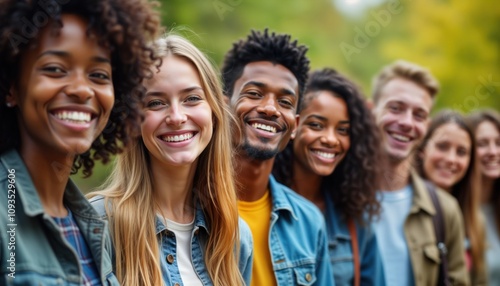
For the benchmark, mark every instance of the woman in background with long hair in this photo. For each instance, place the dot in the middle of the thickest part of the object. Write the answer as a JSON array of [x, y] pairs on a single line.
[[486, 127], [446, 157]]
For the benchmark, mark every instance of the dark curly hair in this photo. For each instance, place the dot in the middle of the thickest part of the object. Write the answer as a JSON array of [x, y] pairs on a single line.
[[125, 26], [262, 46], [355, 181]]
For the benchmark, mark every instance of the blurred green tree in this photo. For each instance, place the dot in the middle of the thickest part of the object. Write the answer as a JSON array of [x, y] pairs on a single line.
[[459, 41]]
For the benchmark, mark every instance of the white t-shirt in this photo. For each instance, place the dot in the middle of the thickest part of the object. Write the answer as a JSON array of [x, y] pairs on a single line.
[[391, 238], [183, 233]]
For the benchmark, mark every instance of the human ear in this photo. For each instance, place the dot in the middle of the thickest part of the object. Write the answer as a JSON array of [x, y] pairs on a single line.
[[11, 99]]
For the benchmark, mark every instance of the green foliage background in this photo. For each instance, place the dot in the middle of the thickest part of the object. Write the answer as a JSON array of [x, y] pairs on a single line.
[[458, 40]]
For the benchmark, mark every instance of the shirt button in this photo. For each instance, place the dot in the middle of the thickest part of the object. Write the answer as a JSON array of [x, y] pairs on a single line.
[[170, 259], [308, 277], [177, 284], [96, 230]]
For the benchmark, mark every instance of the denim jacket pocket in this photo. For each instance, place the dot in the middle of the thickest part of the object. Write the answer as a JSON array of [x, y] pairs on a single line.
[[305, 274], [432, 253]]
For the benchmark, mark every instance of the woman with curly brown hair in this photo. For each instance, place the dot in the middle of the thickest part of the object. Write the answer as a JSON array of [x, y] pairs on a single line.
[[70, 80], [332, 161]]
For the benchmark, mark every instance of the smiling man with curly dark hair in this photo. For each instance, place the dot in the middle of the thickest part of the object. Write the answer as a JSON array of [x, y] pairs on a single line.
[[264, 78]]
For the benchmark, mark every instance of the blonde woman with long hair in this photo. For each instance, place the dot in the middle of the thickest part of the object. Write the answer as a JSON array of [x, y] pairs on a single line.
[[171, 198]]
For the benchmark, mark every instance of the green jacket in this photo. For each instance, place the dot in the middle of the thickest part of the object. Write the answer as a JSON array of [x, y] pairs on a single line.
[[419, 232], [32, 249]]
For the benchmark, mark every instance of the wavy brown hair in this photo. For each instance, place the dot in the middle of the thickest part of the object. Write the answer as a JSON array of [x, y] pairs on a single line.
[[355, 181], [466, 190], [126, 27], [129, 192]]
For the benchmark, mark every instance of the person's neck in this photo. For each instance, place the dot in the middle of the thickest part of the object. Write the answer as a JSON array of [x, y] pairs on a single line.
[[308, 185], [252, 177], [172, 190], [486, 189], [50, 173], [395, 174]]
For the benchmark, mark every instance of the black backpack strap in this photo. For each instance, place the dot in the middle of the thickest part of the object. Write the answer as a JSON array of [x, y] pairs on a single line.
[[439, 229]]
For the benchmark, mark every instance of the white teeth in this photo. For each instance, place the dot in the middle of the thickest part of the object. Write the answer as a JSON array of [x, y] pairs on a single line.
[[325, 155], [400, 137], [264, 127], [178, 138], [74, 116], [491, 164]]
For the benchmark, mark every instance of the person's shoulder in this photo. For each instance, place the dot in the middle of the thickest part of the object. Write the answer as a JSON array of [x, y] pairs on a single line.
[[301, 207], [98, 203], [448, 203]]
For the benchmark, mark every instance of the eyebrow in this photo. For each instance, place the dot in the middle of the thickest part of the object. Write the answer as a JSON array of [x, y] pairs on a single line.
[[284, 91], [67, 55], [317, 117], [325, 119], [185, 90]]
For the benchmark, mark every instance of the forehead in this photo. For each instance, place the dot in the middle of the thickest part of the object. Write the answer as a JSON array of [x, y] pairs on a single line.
[[72, 37], [326, 102], [453, 132], [271, 74], [406, 92], [487, 128], [174, 69]]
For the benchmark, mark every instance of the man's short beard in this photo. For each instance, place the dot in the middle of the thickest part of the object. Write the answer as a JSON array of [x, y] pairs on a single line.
[[257, 153]]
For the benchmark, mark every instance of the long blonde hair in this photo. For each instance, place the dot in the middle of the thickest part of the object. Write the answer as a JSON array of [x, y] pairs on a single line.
[[129, 192]]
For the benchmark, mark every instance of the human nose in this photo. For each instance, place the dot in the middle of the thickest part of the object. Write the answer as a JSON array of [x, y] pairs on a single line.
[[176, 115], [79, 87], [268, 106], [329, 138], [406, 119], [451, 157]]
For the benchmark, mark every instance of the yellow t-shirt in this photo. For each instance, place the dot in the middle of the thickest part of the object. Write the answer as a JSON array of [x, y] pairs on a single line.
[[257, 215]]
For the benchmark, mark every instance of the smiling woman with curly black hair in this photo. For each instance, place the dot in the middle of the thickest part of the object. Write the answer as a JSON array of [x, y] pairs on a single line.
[[332, 161], [71, 77]]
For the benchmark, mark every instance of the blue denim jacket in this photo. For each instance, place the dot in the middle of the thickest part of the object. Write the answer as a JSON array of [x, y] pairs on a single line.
[[199, 238], [42, 254], [297, 240], [339, 244]]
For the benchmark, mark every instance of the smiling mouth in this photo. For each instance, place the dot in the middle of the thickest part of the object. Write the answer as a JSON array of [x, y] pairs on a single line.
[[77, 117], [400, 138], [177, 138], [447, 171], [491, 164], [264, 127], [325, 155]]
